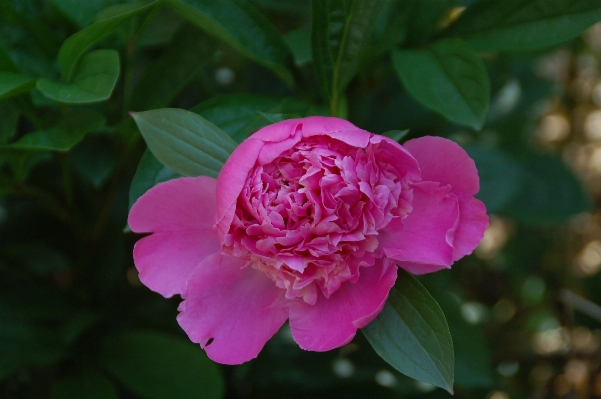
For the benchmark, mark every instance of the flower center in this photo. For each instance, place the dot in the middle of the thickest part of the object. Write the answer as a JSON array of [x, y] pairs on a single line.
[[310, 218]]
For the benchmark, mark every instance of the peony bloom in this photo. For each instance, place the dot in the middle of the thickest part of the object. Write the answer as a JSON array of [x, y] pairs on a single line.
[[306, 222]]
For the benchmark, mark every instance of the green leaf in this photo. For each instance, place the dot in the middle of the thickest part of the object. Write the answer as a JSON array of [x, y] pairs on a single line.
[[161, 28], [179, 64], [150, 172], [449, 78], [239, 24], [159, 366], [548, 194], [239, 115], [82, 12], [76, 45], [14, 83], [500, 176], [86, 383], [396, 135], [473, 366], [412, 335], [299, 41], [184, 141], [94, 80], [59, 138], [340, 29], [524, 24]]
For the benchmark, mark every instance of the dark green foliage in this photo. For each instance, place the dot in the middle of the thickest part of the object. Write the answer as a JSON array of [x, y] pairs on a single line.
[[411, 334]]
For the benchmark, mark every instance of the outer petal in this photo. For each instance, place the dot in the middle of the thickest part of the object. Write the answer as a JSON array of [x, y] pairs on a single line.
[[333, 322], [426, 234], [473, 221], [187, 203], [231, 310], [336, 128], [442, 160], [180, 213], [231, 180]]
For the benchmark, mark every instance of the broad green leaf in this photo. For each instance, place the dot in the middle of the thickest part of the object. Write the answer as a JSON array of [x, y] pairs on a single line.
[[8, 122], [76, 45], [159, 366], [340, 29], [239, 115], [161, 28], [58, 138], [82, 12], [184, 141], [95, 159], [549, 193], [500, 176], [412, 335], [179, 64], [94, 80], [299, 41], [396, 135], [239, 24], [473, 366], [447, 77], [85, 383], [14, 83], [389, 31], [150, 172], [524, 24]]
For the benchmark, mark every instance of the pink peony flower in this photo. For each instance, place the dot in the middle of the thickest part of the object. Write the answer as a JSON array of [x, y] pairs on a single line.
[[306, 222]]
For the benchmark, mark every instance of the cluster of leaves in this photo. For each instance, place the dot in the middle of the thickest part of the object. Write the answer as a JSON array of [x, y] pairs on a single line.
[[74, 323]]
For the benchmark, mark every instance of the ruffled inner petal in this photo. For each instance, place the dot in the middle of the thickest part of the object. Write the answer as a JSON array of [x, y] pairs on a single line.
[[310, 218]]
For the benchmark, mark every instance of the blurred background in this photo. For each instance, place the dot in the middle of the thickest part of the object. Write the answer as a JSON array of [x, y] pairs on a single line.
[[75, 322]]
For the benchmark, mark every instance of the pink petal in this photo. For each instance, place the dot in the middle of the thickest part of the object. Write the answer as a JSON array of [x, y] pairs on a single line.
[[333, 322], [421, 268], [336, 128], [398, 156], [231, 309], [231, 180], [165, 260], [473, 220], [426, 234], [279, 131], [267, 144], [441, 160], [180, 213], [187, 203]]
